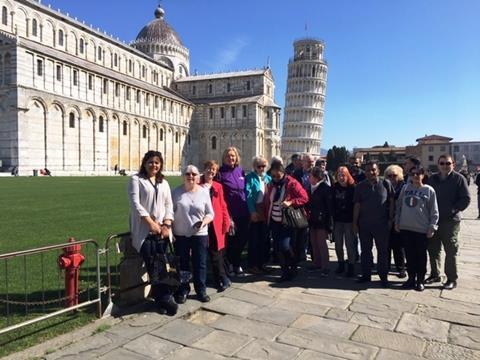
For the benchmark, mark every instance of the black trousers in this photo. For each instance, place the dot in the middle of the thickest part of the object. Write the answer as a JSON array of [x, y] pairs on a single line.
[[300, 241], [236, 243], [258, 245], [395, 246], [216, 257], [416, 250], [379, 233], [150, 248]]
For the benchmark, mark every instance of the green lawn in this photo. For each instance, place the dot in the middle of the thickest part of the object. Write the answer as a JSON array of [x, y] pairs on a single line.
[[40, 211]]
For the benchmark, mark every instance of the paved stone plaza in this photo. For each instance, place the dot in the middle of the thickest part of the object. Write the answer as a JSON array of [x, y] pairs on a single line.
[[314, 318]]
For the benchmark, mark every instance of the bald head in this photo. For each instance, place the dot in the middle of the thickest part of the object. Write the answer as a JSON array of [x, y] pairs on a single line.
[[308, 162]]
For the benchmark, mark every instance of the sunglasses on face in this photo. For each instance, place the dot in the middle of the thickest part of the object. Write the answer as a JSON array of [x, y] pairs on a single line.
[[190, 174], [261, 166], [415, 174], [443, 163], [392, 175]]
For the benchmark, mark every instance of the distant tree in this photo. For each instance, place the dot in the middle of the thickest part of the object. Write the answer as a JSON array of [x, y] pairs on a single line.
[[385, 145], [392, 157], [337, 156], [381, 157]]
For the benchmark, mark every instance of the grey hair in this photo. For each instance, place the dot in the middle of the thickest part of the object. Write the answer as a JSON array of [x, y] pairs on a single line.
[[192, 169], [256, 159]]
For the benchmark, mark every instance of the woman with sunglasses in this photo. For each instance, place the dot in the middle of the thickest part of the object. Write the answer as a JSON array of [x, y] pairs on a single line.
[[258, 241], [192, 213], [416, 219], [151, 216], [394, 173], [219, 227]]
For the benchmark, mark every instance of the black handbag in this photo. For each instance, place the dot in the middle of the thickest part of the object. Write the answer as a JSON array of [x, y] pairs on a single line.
[[166, 266], [295, 218]]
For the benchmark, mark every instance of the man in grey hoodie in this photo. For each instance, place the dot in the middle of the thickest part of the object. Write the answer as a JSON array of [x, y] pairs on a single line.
[[453, 197]]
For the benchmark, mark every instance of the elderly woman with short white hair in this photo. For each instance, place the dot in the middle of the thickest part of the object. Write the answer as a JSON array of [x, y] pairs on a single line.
[[193, 211]]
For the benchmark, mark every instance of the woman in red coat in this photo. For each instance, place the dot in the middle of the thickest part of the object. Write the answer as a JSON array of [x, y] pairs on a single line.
[[220, 225], [282, 192]]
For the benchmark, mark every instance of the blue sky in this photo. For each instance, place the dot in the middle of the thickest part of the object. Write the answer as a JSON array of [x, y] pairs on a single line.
[[397, 69]]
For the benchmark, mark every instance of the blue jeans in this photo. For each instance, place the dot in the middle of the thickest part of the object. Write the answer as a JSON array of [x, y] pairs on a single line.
[[196, 248], [150, 248], [282, 237]]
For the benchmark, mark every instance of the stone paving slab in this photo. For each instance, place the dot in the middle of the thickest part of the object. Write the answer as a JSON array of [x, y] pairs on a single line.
[[93, 346], [252, 328], [324, 326], [250, 297], [316, 299], [182, 332], [314, 355], [442, 351], [150, 346], [389, 340], [222, 342], [423, 327], [328, 345], [190, 354], [226, 305], [387, 354], [374, 321], [465, 336], [123, 354], [301, 307], [267, 350], [450, 316], [275, 316], [339, 314]]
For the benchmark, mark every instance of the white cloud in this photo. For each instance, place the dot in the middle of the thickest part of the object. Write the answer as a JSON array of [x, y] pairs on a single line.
[[227, 56]]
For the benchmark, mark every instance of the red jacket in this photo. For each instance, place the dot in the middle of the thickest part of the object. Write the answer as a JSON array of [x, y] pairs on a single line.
[[294, 192], [221, 220]]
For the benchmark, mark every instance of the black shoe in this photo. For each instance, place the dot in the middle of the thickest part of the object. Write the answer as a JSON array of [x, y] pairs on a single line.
[[224, 284], [409, 284], [350, 270], [450, 285], [419, 286], [402, 274], [364, 279], [170, 306], [203, 297], [433, 279], [341, 267], [180, 298]]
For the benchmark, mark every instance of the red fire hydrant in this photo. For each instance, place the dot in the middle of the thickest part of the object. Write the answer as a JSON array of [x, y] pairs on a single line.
[[70, 261]]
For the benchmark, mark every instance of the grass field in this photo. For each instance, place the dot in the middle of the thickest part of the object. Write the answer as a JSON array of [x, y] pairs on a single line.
[[40, 211]]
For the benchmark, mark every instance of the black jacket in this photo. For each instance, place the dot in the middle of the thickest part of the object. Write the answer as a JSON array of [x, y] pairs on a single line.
[[452, 195], [320, 207]]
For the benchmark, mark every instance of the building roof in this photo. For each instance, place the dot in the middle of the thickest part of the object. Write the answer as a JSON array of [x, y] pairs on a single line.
[[103, 71], [259, 99], [434, 137], [224, 75], [159, 31]]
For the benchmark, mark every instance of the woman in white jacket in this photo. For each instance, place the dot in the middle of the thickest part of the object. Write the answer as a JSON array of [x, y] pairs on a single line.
[[151, 216], [416, 219]]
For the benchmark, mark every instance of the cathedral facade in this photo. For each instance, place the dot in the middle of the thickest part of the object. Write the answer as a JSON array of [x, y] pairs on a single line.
[[78, 101]]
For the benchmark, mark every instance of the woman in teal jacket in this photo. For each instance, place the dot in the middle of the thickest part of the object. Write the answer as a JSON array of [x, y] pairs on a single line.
[[259, 242]]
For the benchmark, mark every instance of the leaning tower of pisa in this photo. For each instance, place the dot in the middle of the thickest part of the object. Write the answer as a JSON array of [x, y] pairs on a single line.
[[304, 99]]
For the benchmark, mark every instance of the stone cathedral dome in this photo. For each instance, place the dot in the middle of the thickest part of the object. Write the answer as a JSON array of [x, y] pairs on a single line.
[[159, 31]]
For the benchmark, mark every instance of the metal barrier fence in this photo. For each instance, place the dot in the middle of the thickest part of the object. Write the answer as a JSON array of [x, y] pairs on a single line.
[[12, 273]]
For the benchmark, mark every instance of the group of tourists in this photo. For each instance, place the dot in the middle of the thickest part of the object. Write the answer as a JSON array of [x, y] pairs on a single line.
[[220, 211]]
